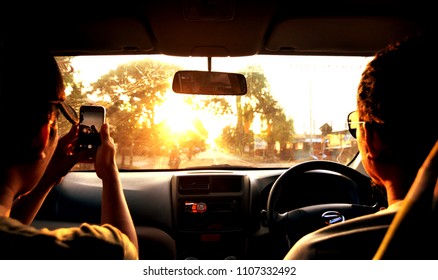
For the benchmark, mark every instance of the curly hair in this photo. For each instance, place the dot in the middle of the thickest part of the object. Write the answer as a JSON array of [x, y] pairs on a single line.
[[397, 95]]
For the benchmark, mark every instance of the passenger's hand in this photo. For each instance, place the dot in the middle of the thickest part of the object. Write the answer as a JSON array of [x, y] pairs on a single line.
[[105, 161], [64, 158]]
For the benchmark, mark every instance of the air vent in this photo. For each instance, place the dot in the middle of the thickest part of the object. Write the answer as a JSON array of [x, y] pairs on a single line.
[[194, 184], [226, 184], [209, 184]]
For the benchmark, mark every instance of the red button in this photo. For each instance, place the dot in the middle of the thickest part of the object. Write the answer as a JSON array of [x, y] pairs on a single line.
[[201, 207]]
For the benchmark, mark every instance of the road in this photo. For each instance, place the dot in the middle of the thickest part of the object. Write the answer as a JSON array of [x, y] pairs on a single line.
[[206, 158]]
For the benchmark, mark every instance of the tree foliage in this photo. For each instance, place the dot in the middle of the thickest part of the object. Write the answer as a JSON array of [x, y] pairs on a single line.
[[130, 93], [133, 91], [258, 103]]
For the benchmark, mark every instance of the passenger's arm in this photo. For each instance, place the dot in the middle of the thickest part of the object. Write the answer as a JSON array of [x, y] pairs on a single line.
[[115, 209], [27, 206]]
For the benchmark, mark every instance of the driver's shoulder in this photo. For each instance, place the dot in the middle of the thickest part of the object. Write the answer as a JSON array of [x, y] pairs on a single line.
[[357, 238]]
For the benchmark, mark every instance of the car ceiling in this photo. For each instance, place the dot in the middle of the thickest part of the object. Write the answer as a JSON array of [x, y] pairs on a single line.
[[224, 27]]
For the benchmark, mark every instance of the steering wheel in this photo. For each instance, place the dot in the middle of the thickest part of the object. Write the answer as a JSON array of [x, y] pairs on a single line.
[[294, 224]]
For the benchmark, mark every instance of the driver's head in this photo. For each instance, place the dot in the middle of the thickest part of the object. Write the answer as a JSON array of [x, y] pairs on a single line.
[[397, 101]]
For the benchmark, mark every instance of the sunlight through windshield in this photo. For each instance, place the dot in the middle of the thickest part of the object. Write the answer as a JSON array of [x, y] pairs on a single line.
[[295, 110]]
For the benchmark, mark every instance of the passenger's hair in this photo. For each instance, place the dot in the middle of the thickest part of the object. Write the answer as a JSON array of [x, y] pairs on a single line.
[[397, 95], [29, 79]]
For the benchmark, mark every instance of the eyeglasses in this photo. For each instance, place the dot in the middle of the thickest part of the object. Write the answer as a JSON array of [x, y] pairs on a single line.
[[67, 111], [353, 123]]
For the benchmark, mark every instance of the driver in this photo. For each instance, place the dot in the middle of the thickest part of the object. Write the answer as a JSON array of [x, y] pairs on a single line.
[[395, 125]]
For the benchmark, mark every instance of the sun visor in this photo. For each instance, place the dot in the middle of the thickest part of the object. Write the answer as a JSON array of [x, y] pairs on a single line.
[[105, 36], [326, 35]]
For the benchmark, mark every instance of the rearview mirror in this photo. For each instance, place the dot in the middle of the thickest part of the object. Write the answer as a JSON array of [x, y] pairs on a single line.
[[208, 82]]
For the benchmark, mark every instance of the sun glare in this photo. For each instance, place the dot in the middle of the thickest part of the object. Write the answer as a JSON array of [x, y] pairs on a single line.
[[176, 113]]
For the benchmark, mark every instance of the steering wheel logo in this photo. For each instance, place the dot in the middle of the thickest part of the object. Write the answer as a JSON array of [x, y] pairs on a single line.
[[332, 217]]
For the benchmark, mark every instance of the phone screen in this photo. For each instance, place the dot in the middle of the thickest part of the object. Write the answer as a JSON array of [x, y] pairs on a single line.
[[91, 120]]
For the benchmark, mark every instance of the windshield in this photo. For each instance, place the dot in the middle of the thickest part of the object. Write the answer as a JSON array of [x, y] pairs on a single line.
[[295, 110]]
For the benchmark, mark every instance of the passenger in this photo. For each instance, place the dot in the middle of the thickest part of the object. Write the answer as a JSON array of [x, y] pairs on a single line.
[[396, 105], [34, 160]]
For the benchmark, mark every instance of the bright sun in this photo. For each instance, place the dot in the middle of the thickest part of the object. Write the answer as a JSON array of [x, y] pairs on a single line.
[[178, 116]]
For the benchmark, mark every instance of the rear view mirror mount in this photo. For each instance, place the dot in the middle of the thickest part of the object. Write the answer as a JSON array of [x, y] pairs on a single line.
[[209, 83]]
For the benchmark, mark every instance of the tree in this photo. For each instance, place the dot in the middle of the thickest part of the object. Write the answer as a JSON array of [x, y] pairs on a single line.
[[259, 102], [130, 93], [73, 89]]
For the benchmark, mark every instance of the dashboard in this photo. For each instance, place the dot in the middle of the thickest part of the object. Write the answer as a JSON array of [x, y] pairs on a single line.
[[205, 214]]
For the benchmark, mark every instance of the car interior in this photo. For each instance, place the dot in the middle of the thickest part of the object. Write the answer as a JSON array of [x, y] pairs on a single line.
[[281, 188]]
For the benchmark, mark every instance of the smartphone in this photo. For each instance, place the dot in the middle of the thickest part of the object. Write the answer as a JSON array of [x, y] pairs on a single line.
[[91, 119]]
